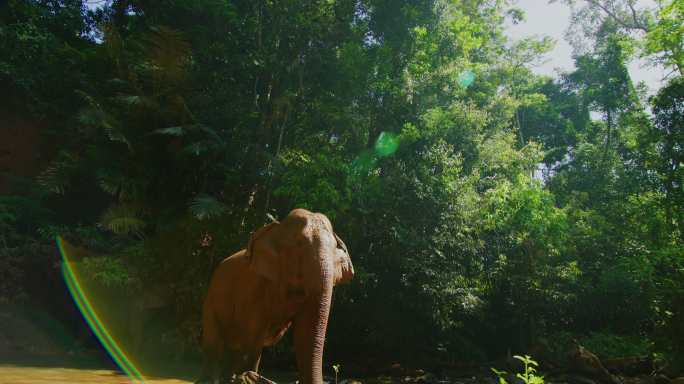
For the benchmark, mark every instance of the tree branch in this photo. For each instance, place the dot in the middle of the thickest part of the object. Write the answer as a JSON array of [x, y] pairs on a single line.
[[611, 14], [635, 18]]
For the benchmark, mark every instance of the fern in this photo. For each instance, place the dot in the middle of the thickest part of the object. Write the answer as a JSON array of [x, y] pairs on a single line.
[[108, 270], [205, 207]]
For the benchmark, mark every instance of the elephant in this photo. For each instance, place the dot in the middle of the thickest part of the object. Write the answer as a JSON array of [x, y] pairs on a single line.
[[284, 278]]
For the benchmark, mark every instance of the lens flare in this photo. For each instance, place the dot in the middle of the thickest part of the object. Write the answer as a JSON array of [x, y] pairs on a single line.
[[386, 144], [466, 78], [364, 162], [98, 327]]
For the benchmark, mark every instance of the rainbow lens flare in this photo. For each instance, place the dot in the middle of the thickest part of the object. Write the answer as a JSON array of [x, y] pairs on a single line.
[[91, 317]]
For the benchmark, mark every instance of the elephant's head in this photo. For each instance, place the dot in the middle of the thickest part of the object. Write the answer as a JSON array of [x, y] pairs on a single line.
[[303, 254]]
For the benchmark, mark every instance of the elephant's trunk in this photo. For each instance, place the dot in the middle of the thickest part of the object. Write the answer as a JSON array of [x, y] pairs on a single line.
[[311, 323]]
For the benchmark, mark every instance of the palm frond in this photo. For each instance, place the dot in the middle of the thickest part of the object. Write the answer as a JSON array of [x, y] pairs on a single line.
[[93, 115], [56, 177], [136, 101], [90, 116], [212, 141], [112, 182], [169, 52], [118, 83], [170, 131], [123, 219], [197, 148], [113, 42], [212, 133], [205, 207]]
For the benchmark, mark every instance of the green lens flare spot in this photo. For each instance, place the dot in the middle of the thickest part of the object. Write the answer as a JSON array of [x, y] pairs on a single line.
[[466, 78], [364, 162], [386, 144]]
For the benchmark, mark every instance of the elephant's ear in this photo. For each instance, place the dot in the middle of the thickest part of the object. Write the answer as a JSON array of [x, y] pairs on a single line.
[[344, 269], [340, 243], [262, 253]]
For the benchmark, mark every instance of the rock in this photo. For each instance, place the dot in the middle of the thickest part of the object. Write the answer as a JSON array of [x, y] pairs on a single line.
[[630, 366], [427, 378], [251, 377], [511, 378], [585, 362], [488, 380], [643, 379], [383, 379], [350, 381], [395, 369], [671, 370], [576, 379], [352, 369]]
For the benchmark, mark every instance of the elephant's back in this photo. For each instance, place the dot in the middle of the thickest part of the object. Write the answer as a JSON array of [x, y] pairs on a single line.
[[222, 297], [226, 274]]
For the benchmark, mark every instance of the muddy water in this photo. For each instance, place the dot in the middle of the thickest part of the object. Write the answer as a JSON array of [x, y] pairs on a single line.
[[26, 374], [12, 374]]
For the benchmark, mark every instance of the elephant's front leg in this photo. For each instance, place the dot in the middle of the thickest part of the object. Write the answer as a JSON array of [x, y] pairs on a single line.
[[230, 365], [213, 359]]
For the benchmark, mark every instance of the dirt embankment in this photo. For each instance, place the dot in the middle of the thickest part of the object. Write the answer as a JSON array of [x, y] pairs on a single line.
[[22, 153]]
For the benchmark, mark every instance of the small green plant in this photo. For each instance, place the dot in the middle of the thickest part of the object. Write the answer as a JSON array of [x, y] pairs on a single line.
[[529, 374], [336, 368]]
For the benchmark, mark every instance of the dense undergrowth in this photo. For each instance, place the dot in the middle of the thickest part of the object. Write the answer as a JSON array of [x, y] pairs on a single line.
[[486, 211]]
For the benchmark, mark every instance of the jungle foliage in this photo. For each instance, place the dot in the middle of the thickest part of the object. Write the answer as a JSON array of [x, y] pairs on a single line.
[[487, 209]]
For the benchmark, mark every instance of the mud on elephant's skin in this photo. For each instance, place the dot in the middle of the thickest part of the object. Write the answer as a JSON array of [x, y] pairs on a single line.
[[284, 278]]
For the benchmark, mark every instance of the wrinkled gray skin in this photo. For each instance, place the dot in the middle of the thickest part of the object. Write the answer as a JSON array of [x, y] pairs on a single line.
[[284, 278]]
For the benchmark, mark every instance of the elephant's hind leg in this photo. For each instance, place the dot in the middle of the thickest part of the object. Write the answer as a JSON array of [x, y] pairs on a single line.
[[213, 347]]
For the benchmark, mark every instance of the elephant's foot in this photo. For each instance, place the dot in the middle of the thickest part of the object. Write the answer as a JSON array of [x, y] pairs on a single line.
[[251, 377]]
